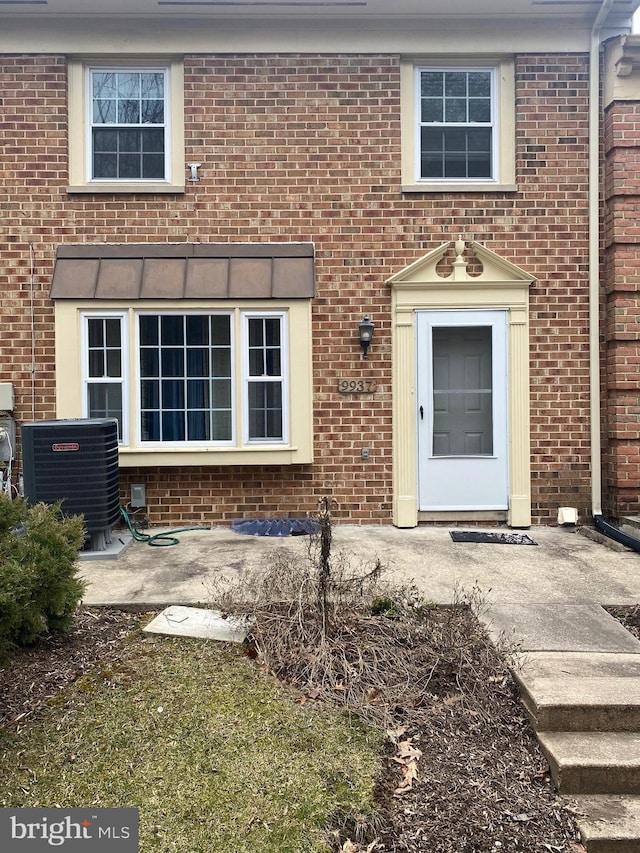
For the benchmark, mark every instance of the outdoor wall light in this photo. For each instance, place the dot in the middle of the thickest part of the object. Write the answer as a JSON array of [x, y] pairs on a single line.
[[365, 327]]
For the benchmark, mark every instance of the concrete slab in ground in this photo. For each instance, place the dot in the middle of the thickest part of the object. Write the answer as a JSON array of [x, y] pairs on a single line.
[[560, 628], [180, 621]]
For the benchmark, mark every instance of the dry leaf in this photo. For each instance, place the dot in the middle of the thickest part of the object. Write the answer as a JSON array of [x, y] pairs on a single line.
[[407, 750], [349, 847], [409, 774], [394, 735]]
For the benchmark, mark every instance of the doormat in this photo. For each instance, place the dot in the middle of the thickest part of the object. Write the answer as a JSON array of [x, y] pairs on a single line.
[[275, 526], [496, 538]]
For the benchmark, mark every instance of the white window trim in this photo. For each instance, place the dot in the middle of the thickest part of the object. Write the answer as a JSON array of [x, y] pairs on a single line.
[[134, 367], [419, 124], [283, 379], [123, 439], [503, 107], [80, 167], [90, 69]]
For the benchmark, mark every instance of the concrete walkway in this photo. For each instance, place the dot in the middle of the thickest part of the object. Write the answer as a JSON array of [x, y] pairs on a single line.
[[580, 671]]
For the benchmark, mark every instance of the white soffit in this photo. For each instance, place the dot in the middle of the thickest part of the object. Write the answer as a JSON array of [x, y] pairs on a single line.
[[576, 9]]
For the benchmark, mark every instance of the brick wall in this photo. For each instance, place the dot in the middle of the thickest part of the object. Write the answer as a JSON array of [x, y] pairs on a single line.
[[622, 308], [307, 148]]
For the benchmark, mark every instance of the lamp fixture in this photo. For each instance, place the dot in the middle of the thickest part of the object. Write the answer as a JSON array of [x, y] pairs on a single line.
[[366, 329]]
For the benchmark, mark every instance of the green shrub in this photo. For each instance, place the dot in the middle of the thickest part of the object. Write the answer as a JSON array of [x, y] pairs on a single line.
[[39, 584]]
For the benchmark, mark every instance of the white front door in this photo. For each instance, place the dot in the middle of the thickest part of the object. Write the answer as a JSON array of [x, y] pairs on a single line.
[[462, 410]]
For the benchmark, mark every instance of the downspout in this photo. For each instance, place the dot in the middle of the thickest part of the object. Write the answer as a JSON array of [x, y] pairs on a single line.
[[594, 257], [594, 284]]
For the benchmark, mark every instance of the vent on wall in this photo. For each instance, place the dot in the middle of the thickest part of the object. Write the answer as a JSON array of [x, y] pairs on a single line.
[[76, 462]]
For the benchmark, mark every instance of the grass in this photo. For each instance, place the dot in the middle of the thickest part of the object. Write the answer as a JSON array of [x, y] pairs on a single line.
[[216, 756]]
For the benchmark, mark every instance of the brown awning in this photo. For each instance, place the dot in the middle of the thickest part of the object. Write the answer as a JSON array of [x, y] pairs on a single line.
[[184, 271]]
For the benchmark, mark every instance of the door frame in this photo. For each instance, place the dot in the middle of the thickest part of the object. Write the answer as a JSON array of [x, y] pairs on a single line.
[[421, 286]]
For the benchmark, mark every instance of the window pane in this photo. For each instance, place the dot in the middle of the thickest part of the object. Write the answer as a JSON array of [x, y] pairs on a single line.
[[149, 362], [265, 410], [198, 394], [148, 330], [221, 393], [152, 84], [480, 84], [221, 362], [150, 426], [197, 362], [220, 330], [112, 332], [198, 426], [152, 112], [172, 394], [152, 141], [128, 112], [173, 426], [432, 83], [105, 141], [455, 110], [273, 362], [432, 110], [480, 110], [95, 330], [105, 401], [104, 112], [153, 166], [172, 330], [256, 329], [114, 365], [103, 84], [197, 329], [129, 84], [172, 362], [129, 141], [150, 394], [129, 166], [96, 363], [256, 362], [455, 84], [221, 426], [272, 332]]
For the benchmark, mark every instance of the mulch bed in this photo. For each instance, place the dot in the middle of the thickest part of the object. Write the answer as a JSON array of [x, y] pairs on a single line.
[[462, 772]]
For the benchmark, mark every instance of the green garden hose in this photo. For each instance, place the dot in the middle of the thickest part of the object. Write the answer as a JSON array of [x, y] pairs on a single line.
[[164, 539]]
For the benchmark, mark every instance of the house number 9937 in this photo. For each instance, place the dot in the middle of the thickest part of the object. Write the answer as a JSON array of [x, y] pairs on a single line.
[[356, 386]]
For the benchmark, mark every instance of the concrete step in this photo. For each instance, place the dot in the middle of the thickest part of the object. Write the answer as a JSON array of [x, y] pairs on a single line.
[[609, 823], [593, 762], [581, 692]]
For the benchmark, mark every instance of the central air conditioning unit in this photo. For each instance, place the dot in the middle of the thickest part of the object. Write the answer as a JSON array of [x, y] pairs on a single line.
[[76, 462]]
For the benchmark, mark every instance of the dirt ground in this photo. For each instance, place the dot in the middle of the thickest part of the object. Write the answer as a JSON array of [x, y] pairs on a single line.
[[462, 769]]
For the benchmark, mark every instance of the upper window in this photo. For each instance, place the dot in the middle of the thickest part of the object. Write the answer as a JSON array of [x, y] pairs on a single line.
[[126, 127], [458, 127], [456, 124]]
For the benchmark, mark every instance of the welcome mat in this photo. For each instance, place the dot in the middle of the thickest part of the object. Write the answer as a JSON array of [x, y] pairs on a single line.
[[495, 538]]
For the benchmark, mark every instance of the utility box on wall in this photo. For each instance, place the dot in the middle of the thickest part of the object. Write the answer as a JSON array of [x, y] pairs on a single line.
[[7, 439], [75, 461], [7, 400]]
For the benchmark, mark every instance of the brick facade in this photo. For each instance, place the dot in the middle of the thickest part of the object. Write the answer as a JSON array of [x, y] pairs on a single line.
[[307, 148], [621, 322]]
